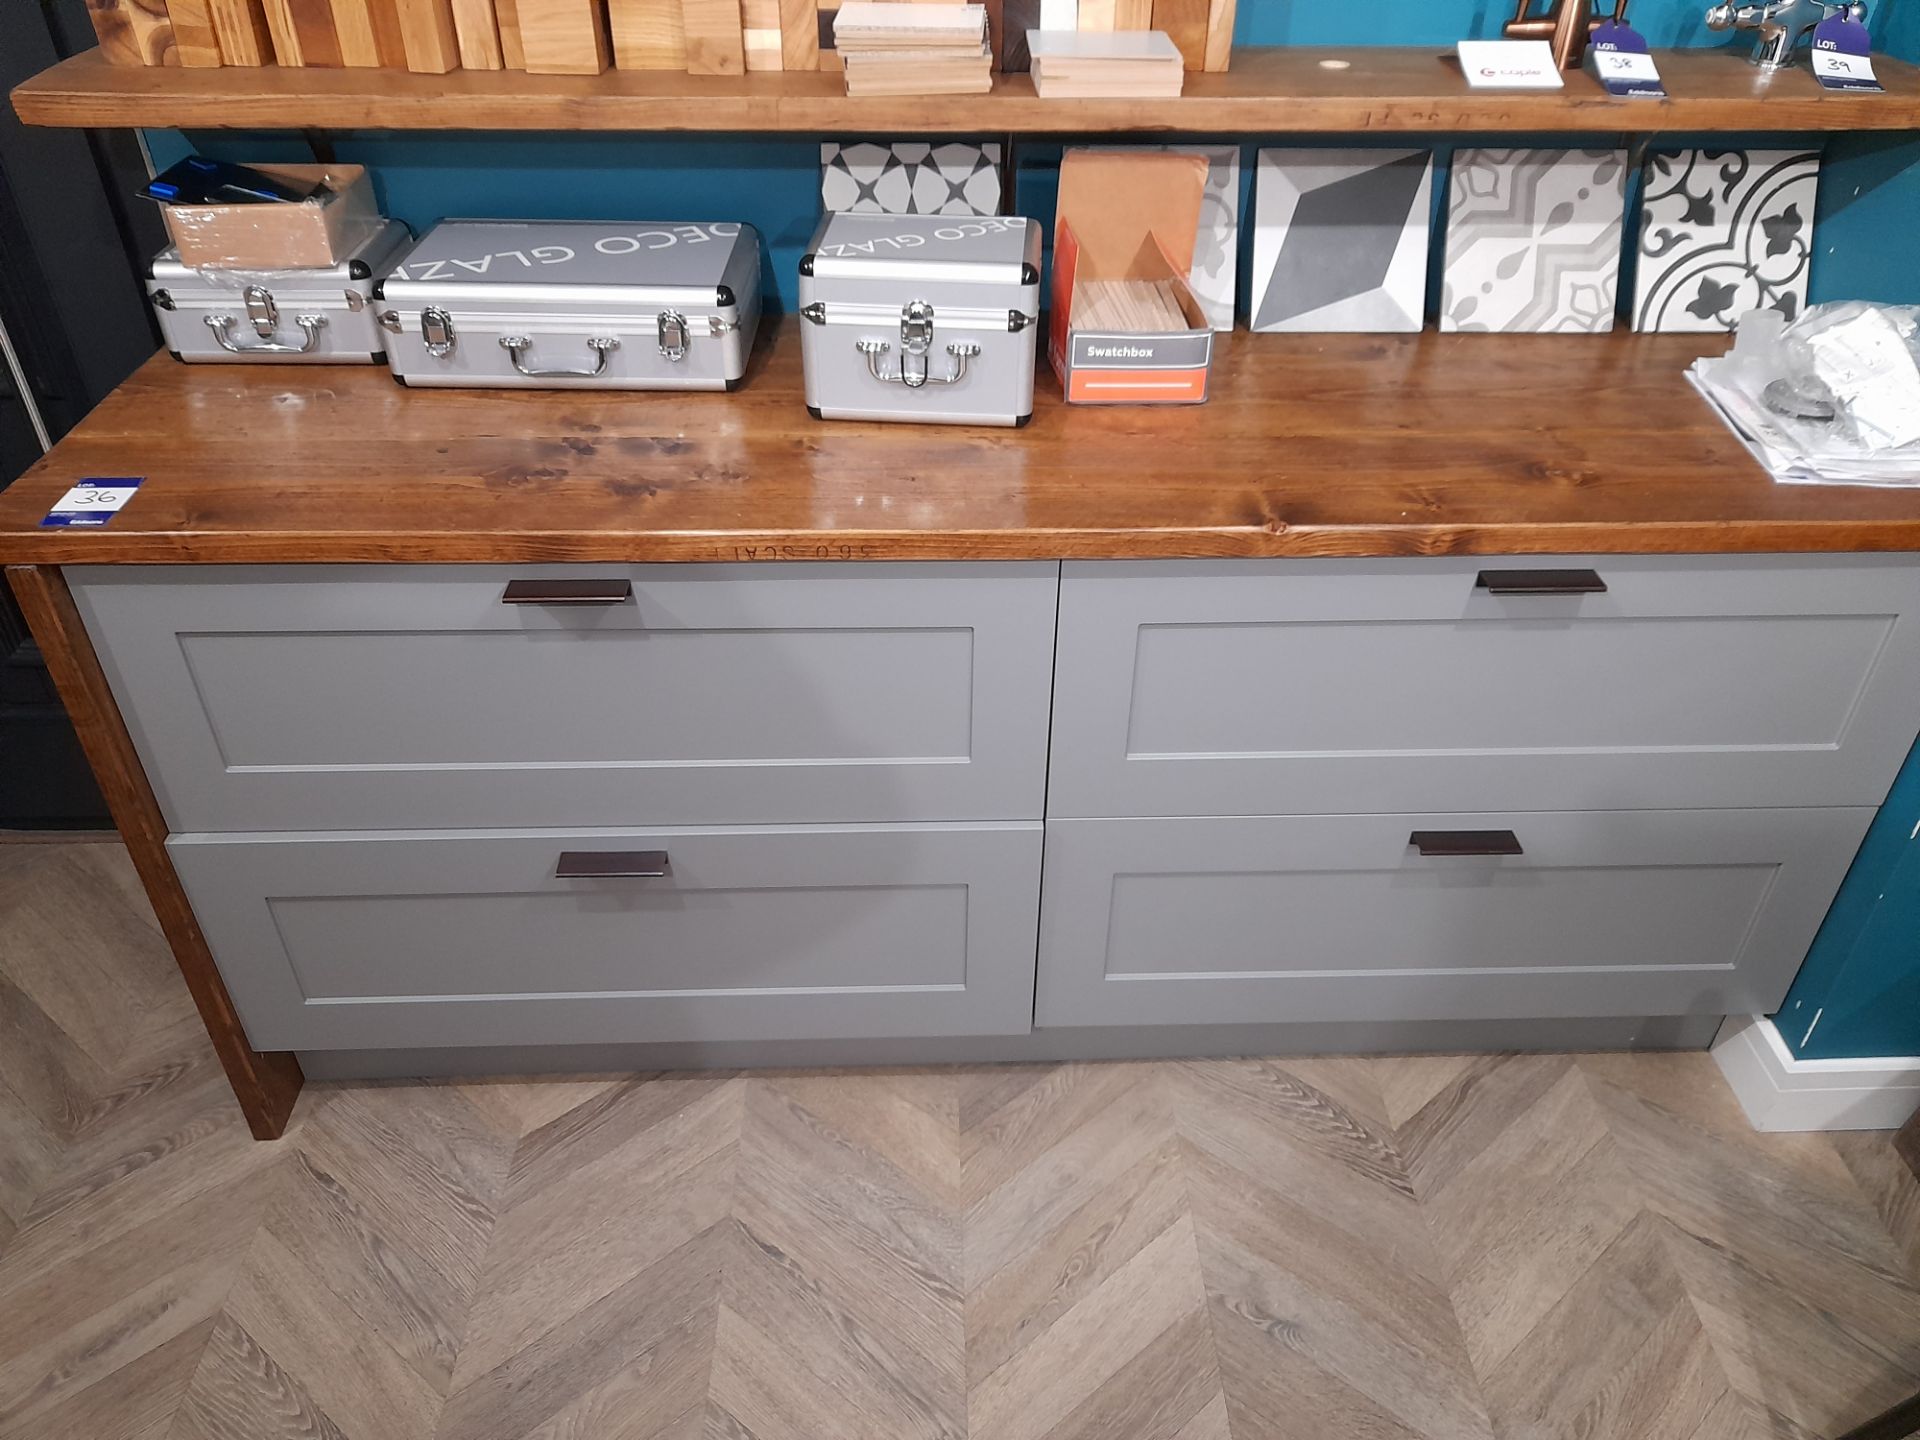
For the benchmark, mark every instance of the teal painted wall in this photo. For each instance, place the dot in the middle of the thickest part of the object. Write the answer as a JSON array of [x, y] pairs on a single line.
[[1859, 992], [1870, 195], [1864, 971]]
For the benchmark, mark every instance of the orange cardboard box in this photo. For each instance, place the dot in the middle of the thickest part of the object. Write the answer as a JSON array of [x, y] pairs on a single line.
[[1129, 216], [313, 234]]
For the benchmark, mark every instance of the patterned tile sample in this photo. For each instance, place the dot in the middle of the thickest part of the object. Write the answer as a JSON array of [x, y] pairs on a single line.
[[1481, 1247], [1216, 251], [911, 177], [1723, 232], [1340, 239], [1533, 240]]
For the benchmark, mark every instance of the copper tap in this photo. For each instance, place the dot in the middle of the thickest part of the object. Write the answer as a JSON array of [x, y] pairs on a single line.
[[1566, 25]]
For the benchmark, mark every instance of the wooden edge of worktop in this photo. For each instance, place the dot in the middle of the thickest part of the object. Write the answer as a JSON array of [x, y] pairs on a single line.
[[330, 547], [266, 1085]]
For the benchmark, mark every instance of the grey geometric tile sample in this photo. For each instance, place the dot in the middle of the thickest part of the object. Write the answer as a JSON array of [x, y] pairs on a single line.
[[911, 177], [1340, 239], [1533, 240], [1723, 232], [1215, 273]]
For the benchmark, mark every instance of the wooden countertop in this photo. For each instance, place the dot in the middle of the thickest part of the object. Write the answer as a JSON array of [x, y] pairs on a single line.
[[1311, 445], [1268, 90]]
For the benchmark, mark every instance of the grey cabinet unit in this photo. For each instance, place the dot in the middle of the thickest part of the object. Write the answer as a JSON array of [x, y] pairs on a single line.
[[761, 933], [1354, 686], [1342, 917], [414, 697]]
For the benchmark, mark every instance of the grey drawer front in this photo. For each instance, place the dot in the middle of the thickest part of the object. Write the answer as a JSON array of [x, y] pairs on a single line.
[[366, 942], [320, 697], [1300, 687], [1340, 918]]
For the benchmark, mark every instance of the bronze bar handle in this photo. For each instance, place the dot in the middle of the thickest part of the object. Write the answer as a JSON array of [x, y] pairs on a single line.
[[1541, 582], [611, 865], [567, 592], [1465, 842]]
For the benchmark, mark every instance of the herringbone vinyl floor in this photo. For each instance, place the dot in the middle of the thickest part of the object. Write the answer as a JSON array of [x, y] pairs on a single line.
[[1526, 1247]]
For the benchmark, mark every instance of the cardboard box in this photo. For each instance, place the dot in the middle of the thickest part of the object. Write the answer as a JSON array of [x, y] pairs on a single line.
[[1129, 216], [313, 234]]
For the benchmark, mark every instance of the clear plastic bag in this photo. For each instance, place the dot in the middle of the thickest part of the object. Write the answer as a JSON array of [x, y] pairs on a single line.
[[1833, 395]]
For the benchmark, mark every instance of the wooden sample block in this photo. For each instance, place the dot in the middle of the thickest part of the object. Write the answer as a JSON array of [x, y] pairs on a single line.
[[1220, 16], [506, 15], [427, 33], [1133, 14], [715, 45], [564, 37], [194, 40], [647, 35], [1185, 22], [241, 26], [369, 34], [477, 35], [760, 34], [133, 32], [799, 35], [825, 13], [1096, 14], [996, 30], [1017, 18], [303, 32]]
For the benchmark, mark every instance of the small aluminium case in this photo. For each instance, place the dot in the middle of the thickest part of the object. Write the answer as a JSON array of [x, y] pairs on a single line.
[[576, 305], [320, 316], [921, 317]]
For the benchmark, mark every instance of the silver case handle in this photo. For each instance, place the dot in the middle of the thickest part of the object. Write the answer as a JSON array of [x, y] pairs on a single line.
[[310, 327], [517, 346]]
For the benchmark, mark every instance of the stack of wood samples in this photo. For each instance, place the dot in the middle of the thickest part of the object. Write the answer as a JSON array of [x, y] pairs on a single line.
[[1125, 65], [1130, 307], [913, 49], [1202, 30], [584, 37]]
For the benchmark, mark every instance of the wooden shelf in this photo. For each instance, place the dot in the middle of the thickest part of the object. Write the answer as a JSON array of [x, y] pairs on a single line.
[[1311, 445], [1391, 90]]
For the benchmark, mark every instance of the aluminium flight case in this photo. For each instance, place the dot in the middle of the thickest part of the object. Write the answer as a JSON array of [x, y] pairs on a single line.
[[322, 316], [578, 305], [921, 317]]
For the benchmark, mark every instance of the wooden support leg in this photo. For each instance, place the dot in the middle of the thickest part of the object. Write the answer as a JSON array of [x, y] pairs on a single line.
[[265, 1085]]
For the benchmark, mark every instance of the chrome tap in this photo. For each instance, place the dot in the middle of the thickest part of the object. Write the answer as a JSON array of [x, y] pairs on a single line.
[[1783, 25]]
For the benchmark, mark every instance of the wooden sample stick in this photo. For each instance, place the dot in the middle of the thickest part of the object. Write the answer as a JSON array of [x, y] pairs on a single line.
[[477, 35], [1220, 17], [1017, 18], [564, 37], [1185, 22], [241, 26], [427, 34], [506, 14], [194, 40], [1133, 14], [647, 35], [760, 34], [303, 32], [799, 35], [133, 32], [369, 34], [713, 33]]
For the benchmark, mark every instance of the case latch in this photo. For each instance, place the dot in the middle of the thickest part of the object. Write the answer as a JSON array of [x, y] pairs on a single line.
[[262, 313], [916, 343], [436, 328], [673, 335]]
